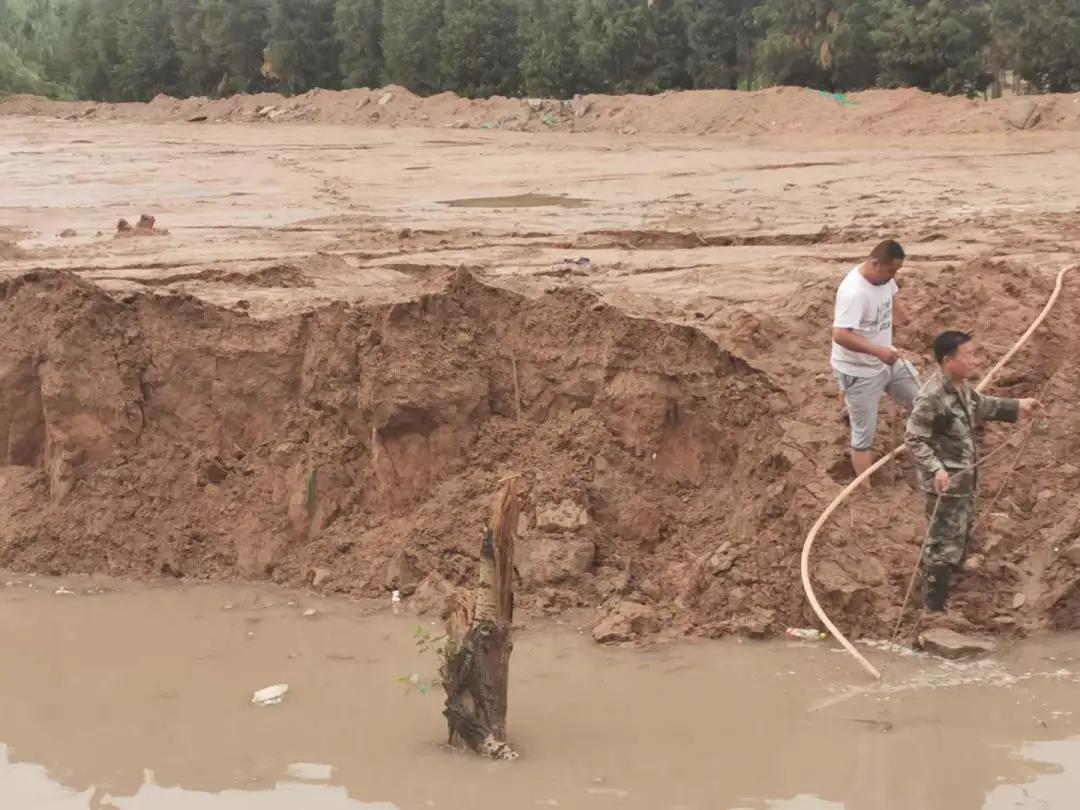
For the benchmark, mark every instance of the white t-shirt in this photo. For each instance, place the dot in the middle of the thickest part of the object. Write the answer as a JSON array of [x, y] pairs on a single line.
[[866, 309]]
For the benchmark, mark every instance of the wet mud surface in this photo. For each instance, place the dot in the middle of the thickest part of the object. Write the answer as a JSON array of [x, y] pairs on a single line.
[[121, 696]]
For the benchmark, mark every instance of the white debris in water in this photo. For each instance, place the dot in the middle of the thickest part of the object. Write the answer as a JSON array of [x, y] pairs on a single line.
[[310, 771], [885, 647], [62, 591], [270, 695], [309, 612]]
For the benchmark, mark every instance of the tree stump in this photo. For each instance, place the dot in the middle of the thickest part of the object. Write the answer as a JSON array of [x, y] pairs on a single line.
[[476, 669]]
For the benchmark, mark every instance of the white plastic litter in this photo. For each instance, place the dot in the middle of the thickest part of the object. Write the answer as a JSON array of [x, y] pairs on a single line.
[[310, 771], [271, 695]]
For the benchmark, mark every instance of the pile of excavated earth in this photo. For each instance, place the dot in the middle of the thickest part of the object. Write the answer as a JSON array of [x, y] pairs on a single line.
[[791, 110], [672, 469], [356, 448]]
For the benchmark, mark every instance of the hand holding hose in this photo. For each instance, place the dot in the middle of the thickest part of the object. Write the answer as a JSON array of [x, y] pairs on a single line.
[[887, 355], [941, 482], [1029, 406]]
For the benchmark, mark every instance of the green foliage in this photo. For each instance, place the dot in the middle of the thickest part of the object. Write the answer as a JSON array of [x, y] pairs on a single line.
[[358, 30], [479, 47], [95, 49], [197, 72], [134, 49], [720, 37], [670, 65], [938, 45], [550, 66], [302, 46], [234, 33], [795, 32], [32, 56], [426, 642], [148, 63], [1040, 41], [617, 46], [411, 44]]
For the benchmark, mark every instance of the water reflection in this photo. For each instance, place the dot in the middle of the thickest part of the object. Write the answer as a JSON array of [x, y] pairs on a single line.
[[718, 726], [1058, 786], [27, 786]]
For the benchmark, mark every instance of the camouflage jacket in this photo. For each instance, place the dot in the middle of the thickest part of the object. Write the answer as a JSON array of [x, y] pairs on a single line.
[[941, 430]]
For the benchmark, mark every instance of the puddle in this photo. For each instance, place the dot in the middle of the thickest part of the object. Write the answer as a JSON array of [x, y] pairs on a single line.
[[117, 697], [518, 201]]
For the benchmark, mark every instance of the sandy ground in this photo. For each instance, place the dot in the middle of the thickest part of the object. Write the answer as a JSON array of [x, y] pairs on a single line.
[[740, 238], [371, 209]]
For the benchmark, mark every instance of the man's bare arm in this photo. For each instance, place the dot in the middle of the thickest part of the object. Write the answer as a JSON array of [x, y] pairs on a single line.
[[857, 343]]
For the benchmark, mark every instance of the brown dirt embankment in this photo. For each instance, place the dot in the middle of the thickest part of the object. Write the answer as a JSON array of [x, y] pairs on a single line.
[[778, 111], [356, 448]]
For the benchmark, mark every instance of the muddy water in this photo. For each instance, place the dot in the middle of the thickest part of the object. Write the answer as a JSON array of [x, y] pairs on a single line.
[[123, 697]]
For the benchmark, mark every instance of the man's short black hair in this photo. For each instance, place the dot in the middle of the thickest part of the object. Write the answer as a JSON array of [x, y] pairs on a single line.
[[946, 344], [888, 251]]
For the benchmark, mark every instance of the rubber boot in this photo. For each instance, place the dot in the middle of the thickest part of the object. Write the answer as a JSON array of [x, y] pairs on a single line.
[[937, 587]]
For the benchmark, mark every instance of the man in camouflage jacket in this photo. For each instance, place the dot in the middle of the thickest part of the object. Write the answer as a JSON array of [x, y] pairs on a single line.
[[941, 440]]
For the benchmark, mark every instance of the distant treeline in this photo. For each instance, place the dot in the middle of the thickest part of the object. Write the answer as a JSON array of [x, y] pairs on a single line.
[[131, 50]]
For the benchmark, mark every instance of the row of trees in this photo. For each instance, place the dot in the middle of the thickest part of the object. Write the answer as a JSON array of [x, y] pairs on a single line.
[[134, 49]]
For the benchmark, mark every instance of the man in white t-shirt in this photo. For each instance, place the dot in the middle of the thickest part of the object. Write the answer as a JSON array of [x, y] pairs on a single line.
[[865, 362]]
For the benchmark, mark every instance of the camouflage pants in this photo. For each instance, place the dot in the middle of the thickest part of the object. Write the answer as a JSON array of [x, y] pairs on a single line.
[[950, 528]]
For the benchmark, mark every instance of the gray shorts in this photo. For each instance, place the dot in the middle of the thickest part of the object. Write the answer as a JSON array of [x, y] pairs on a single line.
[[863, 394]]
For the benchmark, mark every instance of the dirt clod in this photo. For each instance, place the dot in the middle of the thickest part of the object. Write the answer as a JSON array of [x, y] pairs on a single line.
[[625, 622]]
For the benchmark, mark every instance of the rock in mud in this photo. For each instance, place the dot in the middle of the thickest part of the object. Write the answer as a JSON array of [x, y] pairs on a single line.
[[954, 646], [563, 516], [386, 99], [640, 521], [1023, 114], [319, 577], [551, 559], [628, 620], [434, 595]]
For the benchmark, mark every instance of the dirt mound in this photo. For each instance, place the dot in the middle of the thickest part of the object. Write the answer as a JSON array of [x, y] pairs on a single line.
[[356, 448], [779, 110], [159, 435]]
